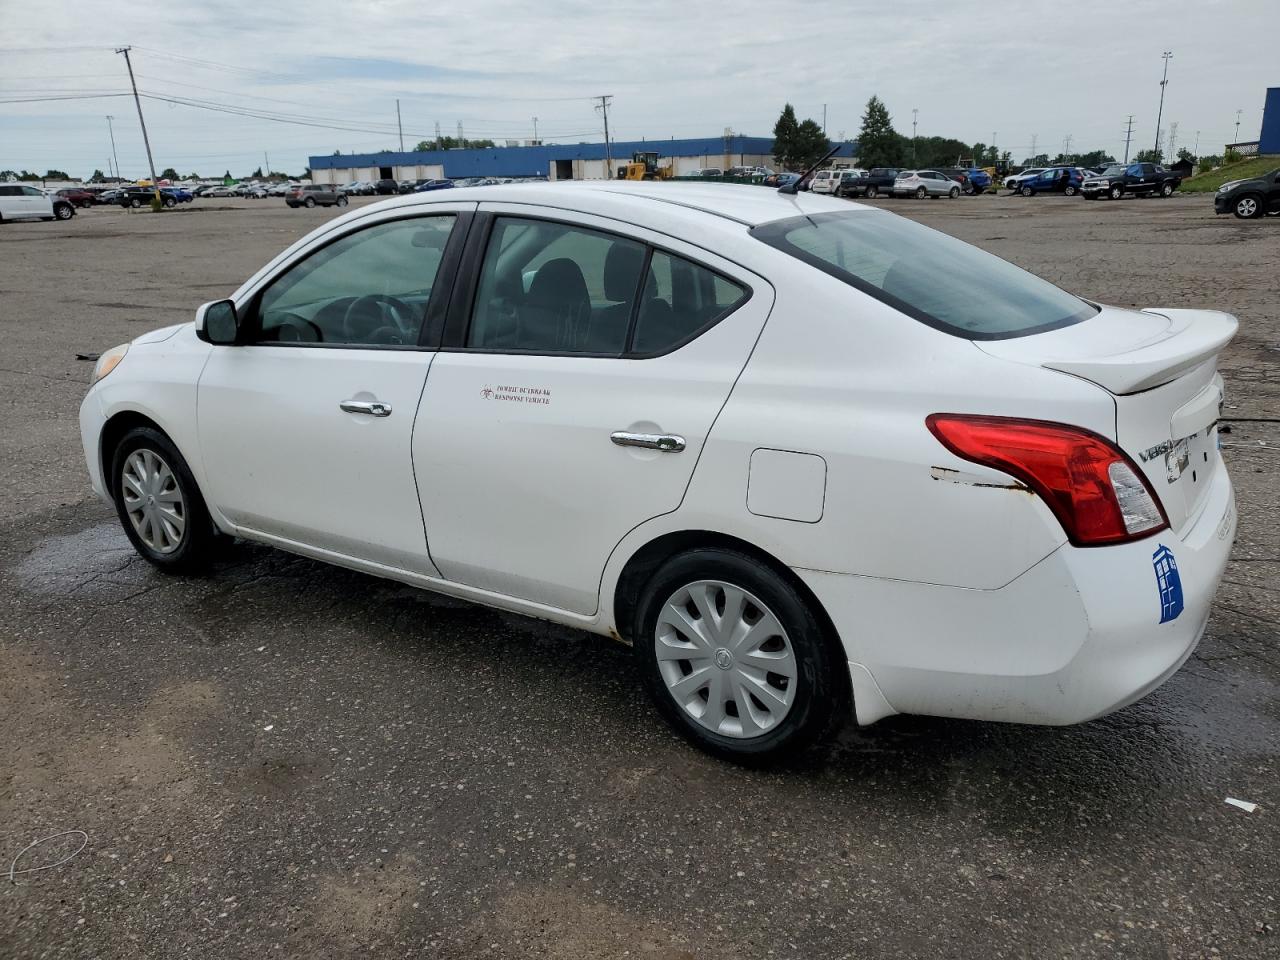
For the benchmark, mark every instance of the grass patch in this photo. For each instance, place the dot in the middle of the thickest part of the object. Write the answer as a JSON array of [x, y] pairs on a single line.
[[1244, 170]]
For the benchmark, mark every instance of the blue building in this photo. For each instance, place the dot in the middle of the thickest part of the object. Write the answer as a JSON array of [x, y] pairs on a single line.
[[564, 161], [1269, 142]]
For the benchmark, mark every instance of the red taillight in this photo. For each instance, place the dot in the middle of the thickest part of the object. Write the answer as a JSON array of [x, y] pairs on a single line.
[[1097, 493]]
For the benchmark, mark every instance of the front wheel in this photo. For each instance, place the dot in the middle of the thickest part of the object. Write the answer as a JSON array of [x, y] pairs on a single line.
[[309, 202], [1247, 208], [1116, 192], [871, 193], [342, 201], [1026, 191], [955, 192], [135, 203], [1070, 190], [159, 504], [736, 659], [170, 202], [64, 212]]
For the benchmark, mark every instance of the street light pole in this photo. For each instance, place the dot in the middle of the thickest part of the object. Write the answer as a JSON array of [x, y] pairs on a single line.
[[915, 116], [1167, 55], [112, 134]]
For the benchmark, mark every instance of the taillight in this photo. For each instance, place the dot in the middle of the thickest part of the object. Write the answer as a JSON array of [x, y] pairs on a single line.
[[1097, 493]]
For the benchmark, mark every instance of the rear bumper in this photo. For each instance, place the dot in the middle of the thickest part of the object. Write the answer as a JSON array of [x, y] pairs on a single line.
[[1076, 637]]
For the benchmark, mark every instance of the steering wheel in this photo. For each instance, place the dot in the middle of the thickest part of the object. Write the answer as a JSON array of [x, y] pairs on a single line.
[[292, 328], [365, 320]]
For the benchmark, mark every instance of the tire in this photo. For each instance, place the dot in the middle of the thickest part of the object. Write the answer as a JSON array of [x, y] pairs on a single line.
[[157, 470], [1166, 190], [1070, 190], [64, 211], [342, 201], [969, 190], [871, 193], [921, 193], [169, 202], [1247, 207], [1116, 192], [309, 202], [135, 202], [1026, 191], [955, 192], [807, 695]]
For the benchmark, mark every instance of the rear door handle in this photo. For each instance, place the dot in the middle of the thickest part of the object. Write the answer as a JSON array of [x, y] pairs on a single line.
[[667, 443], [371, 408]]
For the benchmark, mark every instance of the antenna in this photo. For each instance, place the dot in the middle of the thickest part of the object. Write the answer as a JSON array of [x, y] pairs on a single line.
[[792, 188]]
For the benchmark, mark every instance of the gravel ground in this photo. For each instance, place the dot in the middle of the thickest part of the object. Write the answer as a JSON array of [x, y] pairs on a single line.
[[287, 759]]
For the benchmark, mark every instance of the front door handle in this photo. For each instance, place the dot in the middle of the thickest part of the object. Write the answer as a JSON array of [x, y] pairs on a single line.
[[667, 443], [371, 408]]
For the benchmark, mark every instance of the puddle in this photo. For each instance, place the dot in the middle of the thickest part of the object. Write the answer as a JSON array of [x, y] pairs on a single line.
[[96, 561]]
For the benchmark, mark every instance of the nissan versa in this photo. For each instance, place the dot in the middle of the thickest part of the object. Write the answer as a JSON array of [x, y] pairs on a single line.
[[810, 459]]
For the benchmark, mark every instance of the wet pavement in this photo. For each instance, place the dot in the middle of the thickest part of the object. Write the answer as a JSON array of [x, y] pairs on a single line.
[[287, 759]]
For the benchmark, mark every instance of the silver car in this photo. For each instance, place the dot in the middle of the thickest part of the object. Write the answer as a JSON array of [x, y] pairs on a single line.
[[924, 183]]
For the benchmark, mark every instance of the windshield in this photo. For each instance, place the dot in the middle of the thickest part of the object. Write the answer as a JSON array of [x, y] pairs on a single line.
[[931, 277], [1115, 170]]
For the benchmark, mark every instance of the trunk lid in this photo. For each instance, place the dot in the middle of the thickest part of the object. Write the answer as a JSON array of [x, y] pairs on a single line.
[[1160, 366]]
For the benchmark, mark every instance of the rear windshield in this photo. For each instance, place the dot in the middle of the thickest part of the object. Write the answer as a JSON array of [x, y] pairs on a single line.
[[936, 279]]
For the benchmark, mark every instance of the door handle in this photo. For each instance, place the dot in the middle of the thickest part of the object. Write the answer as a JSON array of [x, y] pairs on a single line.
[[372, 408], [667, 443]]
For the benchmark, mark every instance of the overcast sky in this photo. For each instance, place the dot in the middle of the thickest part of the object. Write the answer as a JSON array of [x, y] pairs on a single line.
[[1030, 68]]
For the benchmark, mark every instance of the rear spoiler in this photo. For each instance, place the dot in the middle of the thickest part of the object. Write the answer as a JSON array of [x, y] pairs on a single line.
[[1193, 336]]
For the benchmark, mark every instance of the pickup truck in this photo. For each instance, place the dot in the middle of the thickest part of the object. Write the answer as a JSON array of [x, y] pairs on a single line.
[[1140, 179], [876, 181]]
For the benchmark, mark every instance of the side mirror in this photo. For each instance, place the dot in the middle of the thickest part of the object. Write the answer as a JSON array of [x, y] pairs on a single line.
[[217, 322]]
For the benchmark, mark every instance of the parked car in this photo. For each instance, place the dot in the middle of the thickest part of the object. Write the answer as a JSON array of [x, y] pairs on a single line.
[[876, 181], [1063, 180], [824, 181], [427, 186], [221, 190], [179, 194], [316, 194], [136, 197], [1014, 180], [787, 516], [282, 188], [1140, 179], [1250, 198], [386, 186], [78, 196], [111, 196], [257, 192], [924, 183], [976, 181], [20, 201]]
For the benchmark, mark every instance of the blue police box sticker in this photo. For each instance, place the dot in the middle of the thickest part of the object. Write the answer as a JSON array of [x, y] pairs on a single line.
[[1169, 582]]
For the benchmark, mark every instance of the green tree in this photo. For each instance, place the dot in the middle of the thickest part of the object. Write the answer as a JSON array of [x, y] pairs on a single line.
[[811, 144], [98, 176], [56, 175], [879, 145], [1039, 160], [168, 173], [1149, 156], [1185, 154], [1206, 163], [785, 132], [1094, 158], [193, 176], [256, 173], [933, 151]]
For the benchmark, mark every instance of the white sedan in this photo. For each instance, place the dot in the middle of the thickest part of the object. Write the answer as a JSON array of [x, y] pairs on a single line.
[[809, 458]]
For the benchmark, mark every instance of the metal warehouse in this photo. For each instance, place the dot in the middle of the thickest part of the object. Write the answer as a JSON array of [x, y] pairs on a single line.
[[570, 161]]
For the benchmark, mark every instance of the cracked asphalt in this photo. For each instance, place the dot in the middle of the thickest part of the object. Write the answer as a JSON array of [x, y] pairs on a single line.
[[288, 759]]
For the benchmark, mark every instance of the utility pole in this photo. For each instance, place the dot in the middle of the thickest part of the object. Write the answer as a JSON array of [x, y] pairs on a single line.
[[1164, 81], [1034, 138], [824, 118], [112, 134], [1128, 137], [437, 134], [1238, 112], [155, 184], [1196, 151], [608, 156], [399, 126], [1066, 147], [995, 154], [915, 116], [1173, 140], [535, 129]]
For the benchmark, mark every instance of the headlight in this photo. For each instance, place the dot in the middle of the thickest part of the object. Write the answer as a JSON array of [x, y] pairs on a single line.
[[1228, 185], [108, 362], [1104, 183]]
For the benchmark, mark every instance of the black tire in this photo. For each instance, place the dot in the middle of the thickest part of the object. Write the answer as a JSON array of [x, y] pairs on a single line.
[[955, 192], [871, 193], [1070, 190], [309, 202], [1026, 191], [135, 202], [64, 211], [1116, 192], [342, 201], [1166, 190], [195, 547], [1247, 207], [170, 202], [921, 193], [822, 701]]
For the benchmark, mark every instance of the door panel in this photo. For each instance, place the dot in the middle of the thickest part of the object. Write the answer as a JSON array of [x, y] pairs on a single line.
[[523, 490]]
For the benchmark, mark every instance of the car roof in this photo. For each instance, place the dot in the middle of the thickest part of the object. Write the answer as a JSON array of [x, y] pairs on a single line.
[[644, 202]]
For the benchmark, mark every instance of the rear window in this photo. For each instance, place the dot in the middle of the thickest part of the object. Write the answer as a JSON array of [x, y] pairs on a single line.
[[931, 277]]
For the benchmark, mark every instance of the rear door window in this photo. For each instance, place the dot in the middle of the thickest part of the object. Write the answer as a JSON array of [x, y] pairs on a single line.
[[940, 281]]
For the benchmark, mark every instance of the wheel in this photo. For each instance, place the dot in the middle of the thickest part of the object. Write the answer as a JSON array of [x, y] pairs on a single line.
[[159, 504], [342, 200], [309, 202], [1247, 207], [135, 202], [1026, 191], [170, 202], [1166, 189], [735, 658], [955, 192], [1070, 190], [871, 193], [921, 193], [969, 190], [64, 211], [1116, 192]]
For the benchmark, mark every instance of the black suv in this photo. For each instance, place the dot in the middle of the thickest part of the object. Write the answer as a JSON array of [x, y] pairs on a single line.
[[386, 185], [1250, 198], [1142, 179]]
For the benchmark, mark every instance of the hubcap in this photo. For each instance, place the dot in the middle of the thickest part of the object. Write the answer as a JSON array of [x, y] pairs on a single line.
[[725, 659], [153, 501], [1247, 207]]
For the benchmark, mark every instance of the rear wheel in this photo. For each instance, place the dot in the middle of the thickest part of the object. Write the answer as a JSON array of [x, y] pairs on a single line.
[[735, 659], [1025, 191], [871, 193], [342, 200], [1166, 189], [921, 193], [1247, 207], [170, 202], [309, 202], [159, 504], [1070, 190], [135, 202]]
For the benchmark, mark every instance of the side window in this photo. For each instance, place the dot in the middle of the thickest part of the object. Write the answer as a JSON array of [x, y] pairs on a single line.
[[1135, 170], [680, 298], [9, 191], [553, 288], [370, 288], [32, 192]]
